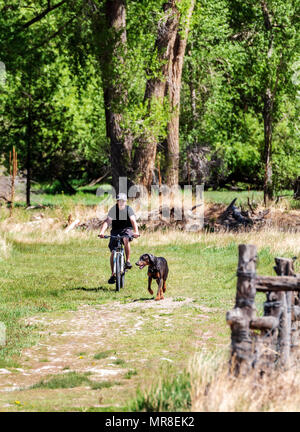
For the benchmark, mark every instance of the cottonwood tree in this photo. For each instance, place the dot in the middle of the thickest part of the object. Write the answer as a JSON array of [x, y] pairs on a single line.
[[145, 154], [174, 91], [48, 114], [109, 28], [268, 33]]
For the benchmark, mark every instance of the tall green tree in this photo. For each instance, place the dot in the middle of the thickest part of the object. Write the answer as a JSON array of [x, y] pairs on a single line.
[[174, 82], [110, 35], [49, 110], [268, 32]]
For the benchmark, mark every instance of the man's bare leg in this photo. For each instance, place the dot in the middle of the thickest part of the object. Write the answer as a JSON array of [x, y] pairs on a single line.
[[112, 263], [127, 249]]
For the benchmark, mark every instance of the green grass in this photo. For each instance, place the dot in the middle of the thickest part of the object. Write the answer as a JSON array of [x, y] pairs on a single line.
[[255, 197], [71, 380], [173, 394], [119, 362], [47, 195], [103, 354], [104, 384], [63, 381], [130, 373], [44, 277], [47, 277]]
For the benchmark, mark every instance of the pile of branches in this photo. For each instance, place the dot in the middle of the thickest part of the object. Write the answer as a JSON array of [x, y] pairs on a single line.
[[160, 218], [232, 219], [175, 218], [91, 224], [235, 219]]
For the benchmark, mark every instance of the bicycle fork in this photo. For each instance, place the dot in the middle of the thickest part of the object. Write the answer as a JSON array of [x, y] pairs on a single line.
[[115, 261]]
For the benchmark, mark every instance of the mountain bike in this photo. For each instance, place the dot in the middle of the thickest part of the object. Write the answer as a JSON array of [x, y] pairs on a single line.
[[119, 261]]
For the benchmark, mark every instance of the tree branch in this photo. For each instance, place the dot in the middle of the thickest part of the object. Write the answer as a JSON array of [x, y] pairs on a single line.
[[266, 14], [43, 14], [54, 34]]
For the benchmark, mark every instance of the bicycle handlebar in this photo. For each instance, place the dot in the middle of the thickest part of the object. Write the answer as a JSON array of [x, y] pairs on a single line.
[[117, 236]]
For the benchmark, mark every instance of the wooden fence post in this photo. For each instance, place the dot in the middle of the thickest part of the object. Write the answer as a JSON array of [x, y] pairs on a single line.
[[269, 338], [285, 267], [239, 318]]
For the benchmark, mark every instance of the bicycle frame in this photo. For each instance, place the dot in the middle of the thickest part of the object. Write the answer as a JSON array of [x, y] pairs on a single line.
[[119, 262], [119, 251]]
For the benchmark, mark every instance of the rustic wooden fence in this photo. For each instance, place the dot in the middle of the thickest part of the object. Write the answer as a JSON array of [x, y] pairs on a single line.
[[270, 341]]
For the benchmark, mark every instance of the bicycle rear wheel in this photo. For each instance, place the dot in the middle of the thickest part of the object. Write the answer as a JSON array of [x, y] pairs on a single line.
[[118, 273]]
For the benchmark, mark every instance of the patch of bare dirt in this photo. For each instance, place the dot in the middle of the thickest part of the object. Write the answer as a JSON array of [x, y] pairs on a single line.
[[69, 340]]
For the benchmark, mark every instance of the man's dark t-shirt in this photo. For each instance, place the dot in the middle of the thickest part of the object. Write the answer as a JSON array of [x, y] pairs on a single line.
[[120, 218]]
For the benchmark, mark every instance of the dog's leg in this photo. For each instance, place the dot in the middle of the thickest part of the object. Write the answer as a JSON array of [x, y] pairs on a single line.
[[149, 285], [164, 286], [159, 295]]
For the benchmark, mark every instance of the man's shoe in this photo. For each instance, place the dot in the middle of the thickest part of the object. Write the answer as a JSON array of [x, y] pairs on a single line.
[[128, 265], [112, 280]]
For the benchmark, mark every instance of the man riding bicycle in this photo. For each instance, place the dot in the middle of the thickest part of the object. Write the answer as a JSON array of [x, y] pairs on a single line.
[[123, 220]]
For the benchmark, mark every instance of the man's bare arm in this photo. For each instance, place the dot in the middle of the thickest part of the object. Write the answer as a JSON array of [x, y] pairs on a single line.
[[135, 227], [107, 222]]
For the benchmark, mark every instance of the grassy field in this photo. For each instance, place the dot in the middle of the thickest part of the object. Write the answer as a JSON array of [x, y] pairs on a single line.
[[74, 344]]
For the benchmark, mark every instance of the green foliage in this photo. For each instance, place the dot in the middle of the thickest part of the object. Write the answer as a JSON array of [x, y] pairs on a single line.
[[229, 71], [45, 104], [52, 105]]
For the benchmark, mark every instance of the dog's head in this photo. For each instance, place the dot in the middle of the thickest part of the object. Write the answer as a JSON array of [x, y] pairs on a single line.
[[145, 259]]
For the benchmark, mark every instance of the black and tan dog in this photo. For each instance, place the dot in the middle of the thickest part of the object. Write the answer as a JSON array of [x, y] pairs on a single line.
[[158, 270]]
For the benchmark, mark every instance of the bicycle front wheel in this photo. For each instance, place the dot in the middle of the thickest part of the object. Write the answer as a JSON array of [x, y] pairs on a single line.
[[123, 280], [118, 273]]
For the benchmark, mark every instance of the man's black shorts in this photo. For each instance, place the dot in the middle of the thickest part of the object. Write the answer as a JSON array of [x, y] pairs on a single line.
[[122, 232]]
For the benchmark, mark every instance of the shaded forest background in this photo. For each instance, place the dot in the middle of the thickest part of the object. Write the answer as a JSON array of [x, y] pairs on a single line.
[[180, 91]]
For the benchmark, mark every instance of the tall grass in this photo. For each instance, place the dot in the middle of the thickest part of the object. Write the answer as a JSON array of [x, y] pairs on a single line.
[[208, 387], [214, 390], [171, 394]]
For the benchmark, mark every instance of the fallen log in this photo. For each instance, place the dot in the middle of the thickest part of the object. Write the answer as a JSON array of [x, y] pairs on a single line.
[[98, 180], [72, 226]]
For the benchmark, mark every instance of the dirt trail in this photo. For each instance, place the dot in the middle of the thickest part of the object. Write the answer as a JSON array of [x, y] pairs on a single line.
[[68, 340]]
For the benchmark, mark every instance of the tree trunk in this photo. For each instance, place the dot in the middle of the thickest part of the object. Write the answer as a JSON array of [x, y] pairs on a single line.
[[66, 187], [145, 154], [174, 87], [112, 58], [28, 150], [268, 109], [297, 189], [115, 92], [267, 115]]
